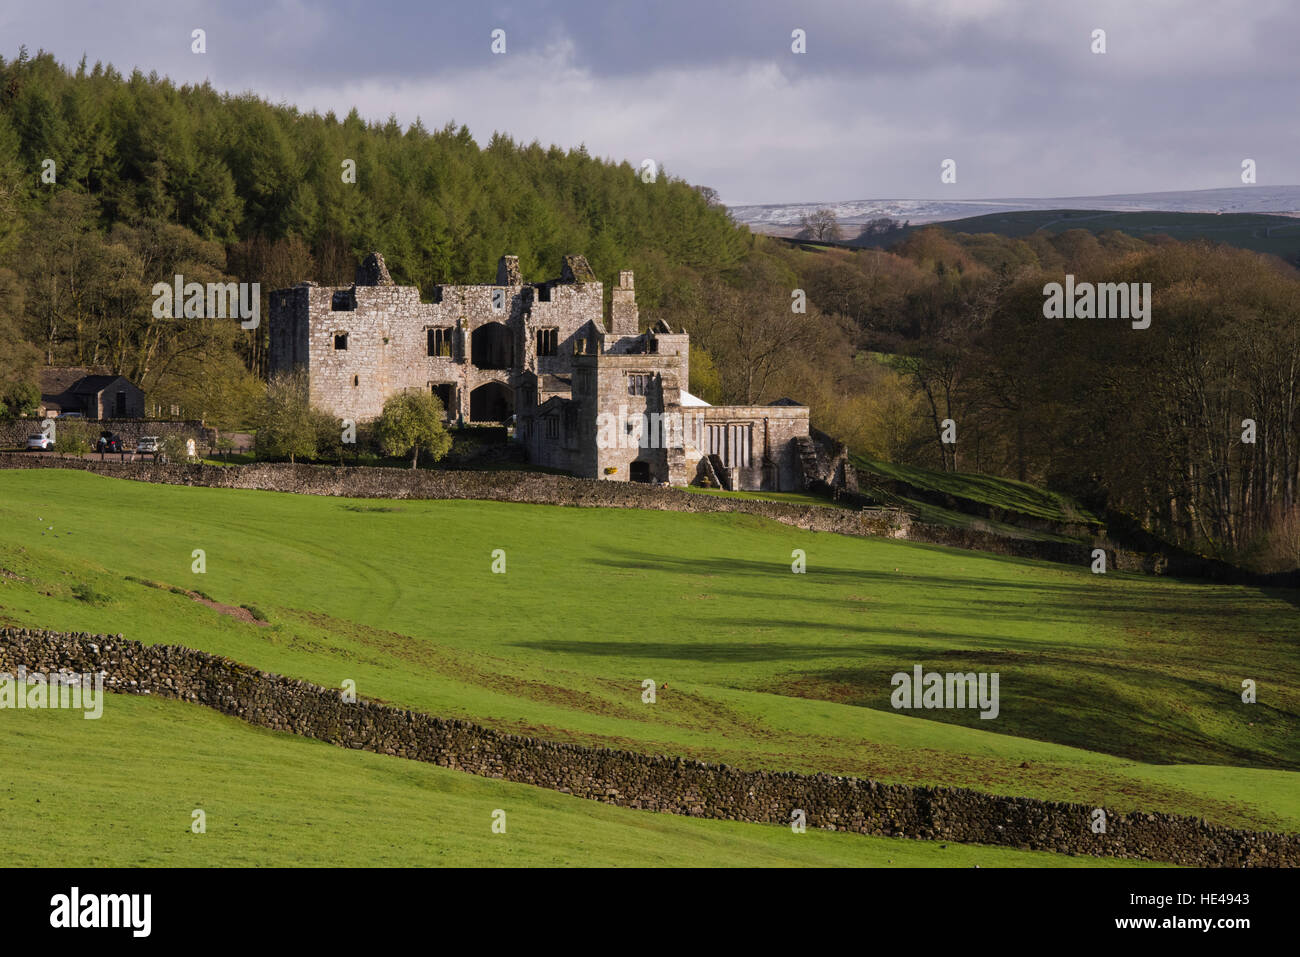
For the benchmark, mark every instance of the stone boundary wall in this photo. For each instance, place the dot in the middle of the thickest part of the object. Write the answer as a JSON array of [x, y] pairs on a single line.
[[14, 432], [545, 488], [628, 779], [535, 488]]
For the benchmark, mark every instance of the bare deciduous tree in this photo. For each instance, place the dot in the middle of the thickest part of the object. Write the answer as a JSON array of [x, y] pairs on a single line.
[[821, 224]]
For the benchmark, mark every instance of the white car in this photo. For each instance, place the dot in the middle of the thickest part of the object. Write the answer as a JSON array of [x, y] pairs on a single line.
[[39, 440], [148, 444]]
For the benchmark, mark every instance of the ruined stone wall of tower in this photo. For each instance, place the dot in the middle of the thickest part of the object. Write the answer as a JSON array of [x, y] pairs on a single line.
[[366, 344], [615, 427], [574, 311], [624, 318], [289, 321], [363, 343]]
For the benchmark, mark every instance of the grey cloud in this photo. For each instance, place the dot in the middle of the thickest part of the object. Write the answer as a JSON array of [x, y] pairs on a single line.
[[887, 89]]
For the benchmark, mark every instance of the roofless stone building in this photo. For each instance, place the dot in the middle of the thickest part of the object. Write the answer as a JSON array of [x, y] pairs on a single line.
[[599, 399]]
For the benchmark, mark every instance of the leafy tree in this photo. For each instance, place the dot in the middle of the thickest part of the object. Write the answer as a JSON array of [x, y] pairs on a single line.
[[288, 426], [175, 448], [73, 437], [20, 357], [705, 382], [19, 400], [411, 421]]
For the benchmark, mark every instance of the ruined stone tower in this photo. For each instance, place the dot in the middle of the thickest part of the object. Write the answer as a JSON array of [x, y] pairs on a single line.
[[623, 318]]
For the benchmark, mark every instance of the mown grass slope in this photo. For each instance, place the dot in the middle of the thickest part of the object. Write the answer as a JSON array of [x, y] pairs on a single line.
[[1118, 690]]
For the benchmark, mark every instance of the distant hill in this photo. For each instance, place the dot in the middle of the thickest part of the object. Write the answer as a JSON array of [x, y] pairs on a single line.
[[777, 218], [1279, 235]]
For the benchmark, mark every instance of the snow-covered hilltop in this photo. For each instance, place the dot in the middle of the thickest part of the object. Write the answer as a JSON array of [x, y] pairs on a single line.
[[1240, 199]]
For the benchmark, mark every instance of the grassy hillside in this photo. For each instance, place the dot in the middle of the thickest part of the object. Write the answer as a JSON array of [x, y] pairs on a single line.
[[982, 491], [273, 799], [1117, 689], [1260, 232]]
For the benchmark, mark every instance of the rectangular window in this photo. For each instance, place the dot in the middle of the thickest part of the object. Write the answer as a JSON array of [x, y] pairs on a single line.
[[586, 382], [440, 342], [638, 383], [530, 396], [548, 341], [730, 443], [552, 427], [341, 341]]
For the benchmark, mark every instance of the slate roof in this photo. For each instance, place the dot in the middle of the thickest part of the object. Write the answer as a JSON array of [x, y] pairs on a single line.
[[56, 380], [64, 382], [93, 384]]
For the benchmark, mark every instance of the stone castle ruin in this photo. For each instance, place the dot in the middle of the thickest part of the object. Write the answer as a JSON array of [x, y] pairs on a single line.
[[597, 399]]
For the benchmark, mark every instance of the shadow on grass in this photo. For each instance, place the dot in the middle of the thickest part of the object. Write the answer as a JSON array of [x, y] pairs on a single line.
[[1161, 720], [1126, 709], [1116, 595]]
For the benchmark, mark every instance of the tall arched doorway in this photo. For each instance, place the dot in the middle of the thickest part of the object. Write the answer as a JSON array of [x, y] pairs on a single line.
[[490, 346], [491, 402]]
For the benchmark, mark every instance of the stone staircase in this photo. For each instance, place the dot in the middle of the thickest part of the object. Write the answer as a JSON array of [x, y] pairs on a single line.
[[810, 462]]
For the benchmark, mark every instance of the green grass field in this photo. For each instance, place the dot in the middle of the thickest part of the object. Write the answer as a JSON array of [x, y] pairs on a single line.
[[121, 791], [1119, 690]]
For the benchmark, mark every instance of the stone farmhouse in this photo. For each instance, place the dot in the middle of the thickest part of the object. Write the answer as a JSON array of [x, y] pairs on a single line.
[[600, 399], [94, 395]]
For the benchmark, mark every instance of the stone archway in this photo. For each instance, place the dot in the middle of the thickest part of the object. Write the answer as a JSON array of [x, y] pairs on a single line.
[[491, 346], [491, 402]]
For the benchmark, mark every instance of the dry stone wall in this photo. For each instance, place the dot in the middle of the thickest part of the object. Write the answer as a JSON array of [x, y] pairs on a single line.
[[539, 488], [628, 779]]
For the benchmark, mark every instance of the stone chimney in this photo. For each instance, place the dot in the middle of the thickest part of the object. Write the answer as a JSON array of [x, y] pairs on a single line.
[[624, 319], [576, 269], [373, 272], [508, 271]]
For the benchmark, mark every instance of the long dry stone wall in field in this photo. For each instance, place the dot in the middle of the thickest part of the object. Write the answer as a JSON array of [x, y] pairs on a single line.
[[540, 488], [674, 785]]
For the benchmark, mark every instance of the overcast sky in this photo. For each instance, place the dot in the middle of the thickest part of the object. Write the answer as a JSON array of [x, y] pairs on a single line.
[[886, 91]]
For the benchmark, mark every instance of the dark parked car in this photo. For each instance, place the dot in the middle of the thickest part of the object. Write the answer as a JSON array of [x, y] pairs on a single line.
[[108, 442]]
